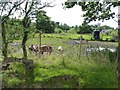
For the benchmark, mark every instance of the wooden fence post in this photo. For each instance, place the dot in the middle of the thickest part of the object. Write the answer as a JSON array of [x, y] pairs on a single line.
[[40, 33]]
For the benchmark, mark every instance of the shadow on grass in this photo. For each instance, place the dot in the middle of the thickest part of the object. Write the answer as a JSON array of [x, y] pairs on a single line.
[[20, 72]]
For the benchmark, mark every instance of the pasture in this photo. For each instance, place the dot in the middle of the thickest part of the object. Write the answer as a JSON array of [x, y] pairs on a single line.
[[74, 68], [77, 36]]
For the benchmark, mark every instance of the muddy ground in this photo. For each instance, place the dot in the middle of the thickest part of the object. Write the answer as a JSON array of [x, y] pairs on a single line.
[[93, 43]]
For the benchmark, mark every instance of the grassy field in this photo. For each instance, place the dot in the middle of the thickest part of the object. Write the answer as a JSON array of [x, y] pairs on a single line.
[[74, 68], [77, 36]]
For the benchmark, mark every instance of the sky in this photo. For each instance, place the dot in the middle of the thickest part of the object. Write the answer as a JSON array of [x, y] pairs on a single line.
[[73, 16]]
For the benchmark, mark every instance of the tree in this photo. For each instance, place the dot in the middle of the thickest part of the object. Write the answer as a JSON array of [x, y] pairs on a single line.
[[100, 11], [43, 22], [14, 29], [7, 9], [84, 28], [57, 24], [105, 27], [58, 30], [28, 13], [72, 31], [95, 10], [64, 27], [32, 30]]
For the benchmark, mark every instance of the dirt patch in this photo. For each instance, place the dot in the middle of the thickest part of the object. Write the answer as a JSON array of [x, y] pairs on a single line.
[[93, 43]]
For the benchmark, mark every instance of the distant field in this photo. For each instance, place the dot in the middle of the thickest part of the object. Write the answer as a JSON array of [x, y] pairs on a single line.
[[77, 36], [70, 36]]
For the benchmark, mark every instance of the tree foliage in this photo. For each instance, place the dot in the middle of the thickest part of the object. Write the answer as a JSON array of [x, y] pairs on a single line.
[[84, 28], [7, 9], [95, 10], [100, 11], [26, 10], [14, 29], [43, 22], [58, 30], [64, 27]]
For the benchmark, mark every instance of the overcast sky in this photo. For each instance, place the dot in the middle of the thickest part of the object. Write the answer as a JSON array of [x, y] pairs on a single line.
[[73, 15]]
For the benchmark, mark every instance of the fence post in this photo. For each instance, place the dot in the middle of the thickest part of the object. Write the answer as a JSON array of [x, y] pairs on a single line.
[[80, 46], [39, 42]]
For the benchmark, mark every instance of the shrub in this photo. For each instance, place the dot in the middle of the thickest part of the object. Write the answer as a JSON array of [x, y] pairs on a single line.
[[72, 31], [112, 40], [58, 30], [13, 82]]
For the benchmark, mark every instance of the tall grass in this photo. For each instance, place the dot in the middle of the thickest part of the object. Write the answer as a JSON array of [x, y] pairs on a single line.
[[73, 68]]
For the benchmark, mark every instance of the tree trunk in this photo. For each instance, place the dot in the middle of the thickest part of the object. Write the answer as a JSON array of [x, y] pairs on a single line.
[[25, 60], [118, 54], [4, 42], [24, 45], [29, 71]]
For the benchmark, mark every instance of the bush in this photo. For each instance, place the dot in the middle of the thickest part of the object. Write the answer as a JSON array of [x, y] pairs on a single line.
[[101, 40], [91, 39], [14, 82], [72, 31], [58, 30], [112, 40], [112, 56]]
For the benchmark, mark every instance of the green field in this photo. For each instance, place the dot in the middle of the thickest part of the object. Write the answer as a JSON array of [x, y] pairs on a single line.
[[73, 68], [77, 36]]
